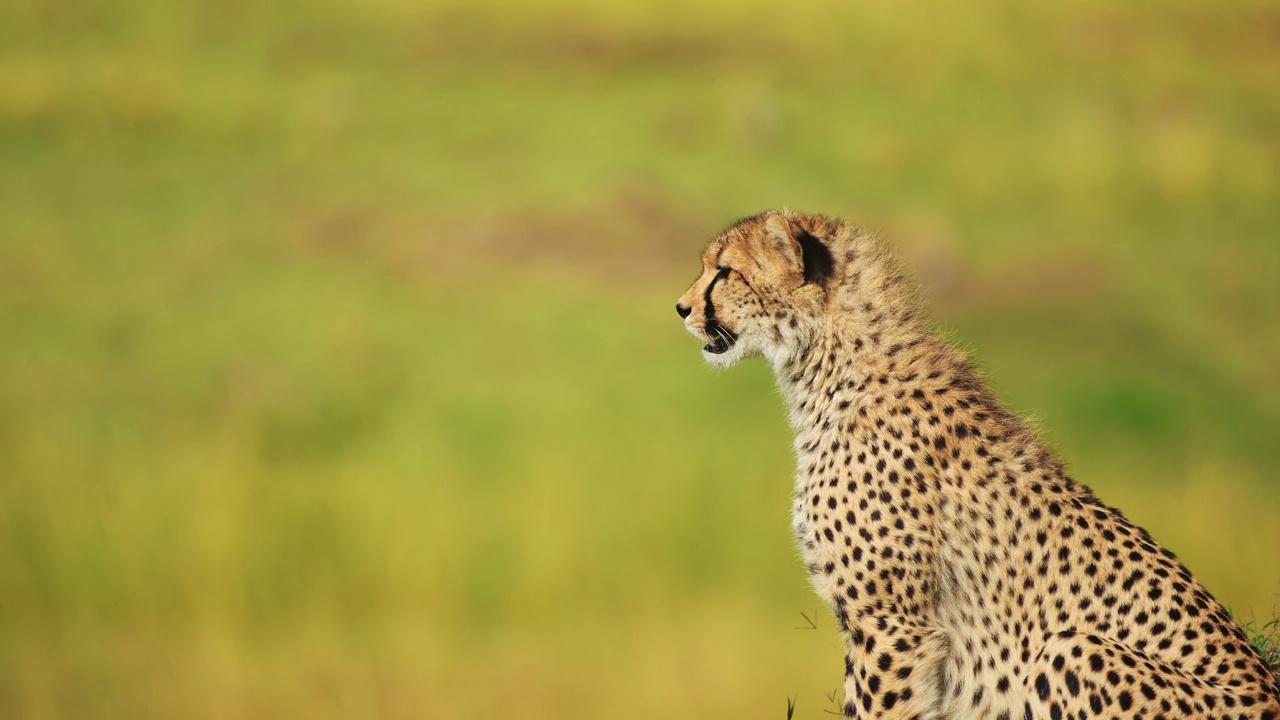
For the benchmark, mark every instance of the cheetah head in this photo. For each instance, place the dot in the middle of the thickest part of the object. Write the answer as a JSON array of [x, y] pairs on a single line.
[[761, 292]]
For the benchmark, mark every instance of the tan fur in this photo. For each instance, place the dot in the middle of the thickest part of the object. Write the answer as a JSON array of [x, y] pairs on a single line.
[[972, 578]]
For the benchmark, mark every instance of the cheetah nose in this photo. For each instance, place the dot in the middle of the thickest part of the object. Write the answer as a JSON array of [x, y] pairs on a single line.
[[683, 311]]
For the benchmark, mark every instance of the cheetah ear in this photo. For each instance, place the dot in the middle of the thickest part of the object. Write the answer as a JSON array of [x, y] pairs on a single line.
[[804, 253], [778, 230]]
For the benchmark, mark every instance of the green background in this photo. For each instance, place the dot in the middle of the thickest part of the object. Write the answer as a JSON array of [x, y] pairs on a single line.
[[340, 377]]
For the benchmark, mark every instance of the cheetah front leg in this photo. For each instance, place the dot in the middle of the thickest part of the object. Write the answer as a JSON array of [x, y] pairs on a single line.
[[894, 669]]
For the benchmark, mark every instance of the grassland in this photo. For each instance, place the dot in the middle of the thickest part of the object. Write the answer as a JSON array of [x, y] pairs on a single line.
[[338, 370]]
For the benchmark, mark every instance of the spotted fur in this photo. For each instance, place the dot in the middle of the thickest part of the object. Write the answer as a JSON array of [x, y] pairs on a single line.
[[971, 577]]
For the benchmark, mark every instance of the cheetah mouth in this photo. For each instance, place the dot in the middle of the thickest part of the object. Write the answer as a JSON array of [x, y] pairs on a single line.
[[722, 338]]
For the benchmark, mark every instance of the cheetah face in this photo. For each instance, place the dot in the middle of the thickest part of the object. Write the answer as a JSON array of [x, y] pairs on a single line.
[[721, 308], [760, 292]]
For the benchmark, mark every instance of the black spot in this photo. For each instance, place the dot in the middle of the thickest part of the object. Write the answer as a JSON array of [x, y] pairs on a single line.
[[1042, 686]]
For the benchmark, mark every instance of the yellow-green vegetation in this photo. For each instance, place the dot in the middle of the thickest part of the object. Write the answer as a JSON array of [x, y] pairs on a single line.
[[1266, 637], [339, 375]]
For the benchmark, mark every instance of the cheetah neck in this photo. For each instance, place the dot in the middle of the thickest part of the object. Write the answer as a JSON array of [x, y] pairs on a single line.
[[826, 388], [873, 328], [876, 365], [852, 379]]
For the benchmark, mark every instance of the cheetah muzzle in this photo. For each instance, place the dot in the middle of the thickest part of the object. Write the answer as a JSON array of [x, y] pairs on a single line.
[[971, 577], [723, 339]]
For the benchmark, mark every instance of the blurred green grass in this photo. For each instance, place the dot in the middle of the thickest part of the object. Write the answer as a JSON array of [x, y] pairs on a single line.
[[340, 377]]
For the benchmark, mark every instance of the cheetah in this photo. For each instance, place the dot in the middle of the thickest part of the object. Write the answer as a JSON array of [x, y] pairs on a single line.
[[970, 576]]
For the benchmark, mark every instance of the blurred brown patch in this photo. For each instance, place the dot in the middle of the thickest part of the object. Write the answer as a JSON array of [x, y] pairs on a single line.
[[638, 237], [634, 238], [1250, 35], [1057, 278], [471, 36], [1050, 280]]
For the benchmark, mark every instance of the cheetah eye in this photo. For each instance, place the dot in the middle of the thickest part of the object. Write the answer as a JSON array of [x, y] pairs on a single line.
[[726, 273], [721, 274]]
